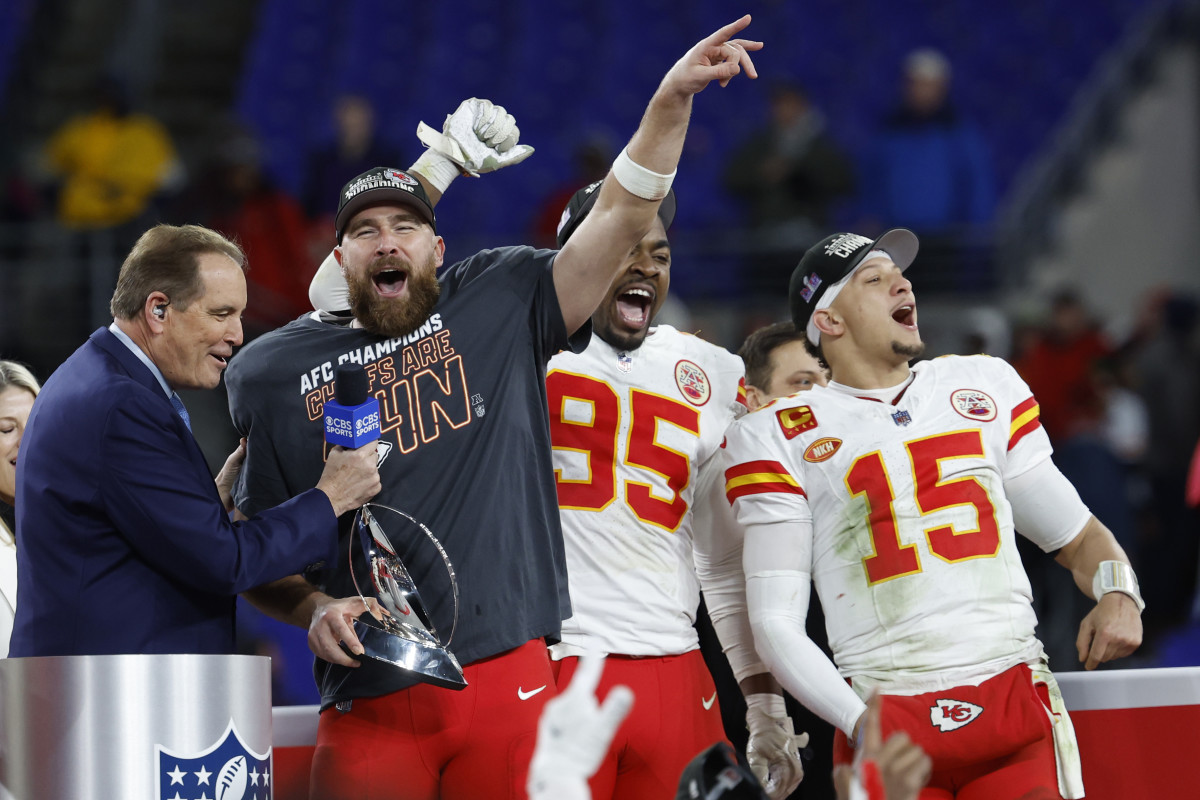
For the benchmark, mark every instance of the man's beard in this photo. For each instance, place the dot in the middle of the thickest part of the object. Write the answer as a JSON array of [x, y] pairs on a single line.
[[393, 317], [909, 351], [625, 342]]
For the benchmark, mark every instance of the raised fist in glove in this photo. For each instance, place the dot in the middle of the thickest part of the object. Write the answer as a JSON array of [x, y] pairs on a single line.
[[773, 751], [574, 734], [478, 137]]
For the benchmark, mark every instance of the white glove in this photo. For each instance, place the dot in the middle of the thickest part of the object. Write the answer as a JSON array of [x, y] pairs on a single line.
[[773, 751], [574, 735], [478, 137]]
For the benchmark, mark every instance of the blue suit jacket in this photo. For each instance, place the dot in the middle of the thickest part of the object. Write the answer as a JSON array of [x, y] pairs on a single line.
[[123, 545]]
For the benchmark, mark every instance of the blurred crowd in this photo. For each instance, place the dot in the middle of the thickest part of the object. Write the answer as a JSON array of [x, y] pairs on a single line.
[[111, 170], [1124, 419]]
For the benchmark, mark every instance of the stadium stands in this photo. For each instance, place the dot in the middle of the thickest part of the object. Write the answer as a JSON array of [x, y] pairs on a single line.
[[14, 21], [573, 68]]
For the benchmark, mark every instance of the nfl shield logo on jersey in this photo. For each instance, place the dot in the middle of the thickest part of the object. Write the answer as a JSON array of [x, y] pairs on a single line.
[[624, 361], [950, 715], [902, 418], [227, 770]]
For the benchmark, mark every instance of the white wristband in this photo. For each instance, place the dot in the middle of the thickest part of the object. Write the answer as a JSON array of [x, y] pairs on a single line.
[[640, 181], [769, 703], [437, 169], [1117, 576]]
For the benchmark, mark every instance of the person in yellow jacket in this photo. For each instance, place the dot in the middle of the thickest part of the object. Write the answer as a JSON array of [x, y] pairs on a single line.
[[111, 161]]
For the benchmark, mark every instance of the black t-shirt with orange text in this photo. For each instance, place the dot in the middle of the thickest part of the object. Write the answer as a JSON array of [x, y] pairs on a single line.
[[465, 423]]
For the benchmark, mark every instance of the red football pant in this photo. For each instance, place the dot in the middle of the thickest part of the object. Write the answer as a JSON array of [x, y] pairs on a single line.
[[426, 743], [1004, 753], [675, 716]]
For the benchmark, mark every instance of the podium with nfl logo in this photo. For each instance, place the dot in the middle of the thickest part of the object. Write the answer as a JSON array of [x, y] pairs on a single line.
[[161, 727]]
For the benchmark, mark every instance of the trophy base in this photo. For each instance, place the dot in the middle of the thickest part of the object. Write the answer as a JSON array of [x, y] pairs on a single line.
[[427, 663]]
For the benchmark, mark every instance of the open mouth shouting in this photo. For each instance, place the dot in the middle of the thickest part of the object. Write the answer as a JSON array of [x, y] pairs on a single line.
[[390, 281], [906, 316], [634, 303]]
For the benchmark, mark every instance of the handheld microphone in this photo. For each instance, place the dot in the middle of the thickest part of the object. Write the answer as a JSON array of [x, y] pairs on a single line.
[[351, 418]]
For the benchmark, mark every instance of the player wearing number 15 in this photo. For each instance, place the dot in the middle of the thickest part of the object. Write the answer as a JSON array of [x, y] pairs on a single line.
[[897, 492], [632, 418]]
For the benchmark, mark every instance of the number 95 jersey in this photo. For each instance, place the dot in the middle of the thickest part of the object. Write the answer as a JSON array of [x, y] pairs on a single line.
[[912, 550], [630, 430]]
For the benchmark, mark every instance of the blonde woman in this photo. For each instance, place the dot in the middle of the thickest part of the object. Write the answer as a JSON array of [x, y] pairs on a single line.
[[18, 388]]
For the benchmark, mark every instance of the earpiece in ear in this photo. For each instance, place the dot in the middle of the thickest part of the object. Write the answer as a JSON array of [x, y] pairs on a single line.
[[160, 311]]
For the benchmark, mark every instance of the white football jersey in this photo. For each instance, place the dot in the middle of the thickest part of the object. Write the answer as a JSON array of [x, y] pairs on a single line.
[[630, 430], [913, 553]]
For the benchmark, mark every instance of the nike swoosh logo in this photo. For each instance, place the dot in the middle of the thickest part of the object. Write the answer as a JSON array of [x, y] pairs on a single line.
[[709, 702], [523, 695]]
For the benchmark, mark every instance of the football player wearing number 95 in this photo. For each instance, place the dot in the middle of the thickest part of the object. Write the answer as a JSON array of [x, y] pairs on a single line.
[[897, 492], [459, 363], [632, 418]]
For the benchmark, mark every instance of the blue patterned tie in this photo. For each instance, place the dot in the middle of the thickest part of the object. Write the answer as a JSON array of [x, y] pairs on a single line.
[[177, 404]]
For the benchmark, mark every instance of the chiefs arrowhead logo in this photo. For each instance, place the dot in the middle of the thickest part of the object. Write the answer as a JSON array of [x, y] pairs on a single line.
[[950, 715], [795, 421], [399, 177]]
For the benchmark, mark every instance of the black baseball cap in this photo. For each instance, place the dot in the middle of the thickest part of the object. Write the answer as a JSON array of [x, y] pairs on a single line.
[[582, 201], [833, 258], [716, 774], [378, 186]]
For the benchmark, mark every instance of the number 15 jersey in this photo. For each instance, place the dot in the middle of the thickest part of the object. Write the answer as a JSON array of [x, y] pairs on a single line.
[[630, 430], [912, 551]]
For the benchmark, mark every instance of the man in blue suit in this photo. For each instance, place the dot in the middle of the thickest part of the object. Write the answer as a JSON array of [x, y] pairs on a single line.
[[124, 542]]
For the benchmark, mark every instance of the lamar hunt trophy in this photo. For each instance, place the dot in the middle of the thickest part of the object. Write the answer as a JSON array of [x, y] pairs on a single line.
[[403, 635]]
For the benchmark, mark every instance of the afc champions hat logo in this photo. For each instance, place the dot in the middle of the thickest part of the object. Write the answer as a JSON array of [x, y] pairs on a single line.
[[846, 245], [693, 383], [380, 178]]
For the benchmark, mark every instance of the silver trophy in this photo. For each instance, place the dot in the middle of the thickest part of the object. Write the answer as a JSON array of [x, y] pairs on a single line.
[[403, 635]]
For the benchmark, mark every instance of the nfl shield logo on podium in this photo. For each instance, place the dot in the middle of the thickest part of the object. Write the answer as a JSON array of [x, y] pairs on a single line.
[[226, 770]]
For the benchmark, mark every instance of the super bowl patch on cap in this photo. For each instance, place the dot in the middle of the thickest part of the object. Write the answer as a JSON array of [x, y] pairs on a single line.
[[811, 283]]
